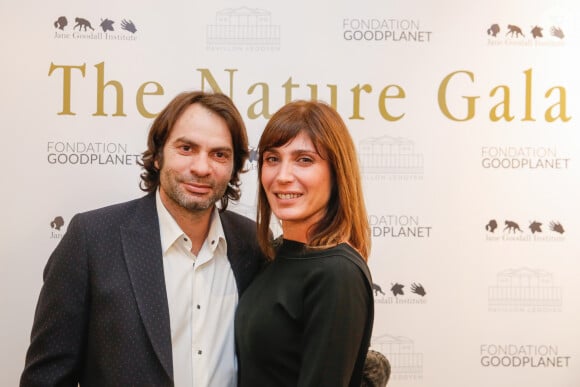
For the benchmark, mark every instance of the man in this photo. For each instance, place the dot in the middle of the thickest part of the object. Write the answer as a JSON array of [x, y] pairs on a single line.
[[143, 293]]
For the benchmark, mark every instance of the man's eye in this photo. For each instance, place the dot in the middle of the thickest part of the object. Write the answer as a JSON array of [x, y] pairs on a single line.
[[222, 156]]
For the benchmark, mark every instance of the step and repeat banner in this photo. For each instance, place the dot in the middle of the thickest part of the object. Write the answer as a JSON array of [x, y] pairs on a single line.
[[466, 117]]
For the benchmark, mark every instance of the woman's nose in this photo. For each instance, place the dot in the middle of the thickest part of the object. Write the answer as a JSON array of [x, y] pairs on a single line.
[[285, 172]]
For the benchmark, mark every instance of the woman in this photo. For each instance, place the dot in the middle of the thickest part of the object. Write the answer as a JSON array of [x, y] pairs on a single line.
[[307, 319]]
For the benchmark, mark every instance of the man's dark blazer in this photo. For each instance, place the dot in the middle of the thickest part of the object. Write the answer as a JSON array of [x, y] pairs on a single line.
[[102, 318]]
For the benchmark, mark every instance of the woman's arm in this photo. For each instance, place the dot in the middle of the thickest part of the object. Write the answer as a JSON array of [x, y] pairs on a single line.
[[336, 310]]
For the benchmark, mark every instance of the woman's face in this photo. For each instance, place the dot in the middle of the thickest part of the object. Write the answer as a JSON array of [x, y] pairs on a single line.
[[297, 182]]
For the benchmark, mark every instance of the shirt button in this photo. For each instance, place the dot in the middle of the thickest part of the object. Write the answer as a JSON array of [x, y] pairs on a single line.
[[213, 242], [199, 352], [198, 307]]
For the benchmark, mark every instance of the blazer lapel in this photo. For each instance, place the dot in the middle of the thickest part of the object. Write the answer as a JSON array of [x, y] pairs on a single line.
[[242, 259], [142, 250]]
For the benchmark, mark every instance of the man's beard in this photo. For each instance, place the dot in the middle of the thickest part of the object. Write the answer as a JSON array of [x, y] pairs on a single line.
[[189, 201]]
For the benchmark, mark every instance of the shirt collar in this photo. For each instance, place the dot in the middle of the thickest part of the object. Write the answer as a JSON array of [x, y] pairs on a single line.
[[170, 230]]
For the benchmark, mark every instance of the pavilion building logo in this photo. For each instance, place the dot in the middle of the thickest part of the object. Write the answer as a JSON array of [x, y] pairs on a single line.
[[252, 161], [525, 290], [406, 362], [243, 29], [390, 158]]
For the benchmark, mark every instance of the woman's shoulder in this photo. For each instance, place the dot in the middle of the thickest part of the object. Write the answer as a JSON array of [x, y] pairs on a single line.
[[343, 262], [345, 252]]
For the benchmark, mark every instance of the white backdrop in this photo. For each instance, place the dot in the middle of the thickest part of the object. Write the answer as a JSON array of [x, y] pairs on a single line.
[[467, 133]]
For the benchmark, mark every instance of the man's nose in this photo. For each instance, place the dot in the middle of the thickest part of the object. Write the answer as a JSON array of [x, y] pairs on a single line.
[[200, 164]]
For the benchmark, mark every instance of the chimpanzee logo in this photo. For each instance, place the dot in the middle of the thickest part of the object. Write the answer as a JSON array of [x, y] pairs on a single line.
[[377, 289], [511, 226], [60, 23], [493, 30], [57, 223], [514, 30], [82, 24], [106, 24], [491, 225]]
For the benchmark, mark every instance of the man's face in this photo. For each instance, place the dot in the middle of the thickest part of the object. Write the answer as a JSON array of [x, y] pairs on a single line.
[[197, 162]]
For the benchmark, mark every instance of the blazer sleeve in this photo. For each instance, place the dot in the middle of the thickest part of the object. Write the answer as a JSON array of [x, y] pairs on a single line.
[[58, 339], [336, 307]]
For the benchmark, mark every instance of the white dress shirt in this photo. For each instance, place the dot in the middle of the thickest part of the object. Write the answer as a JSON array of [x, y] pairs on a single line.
[[202, 296]]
